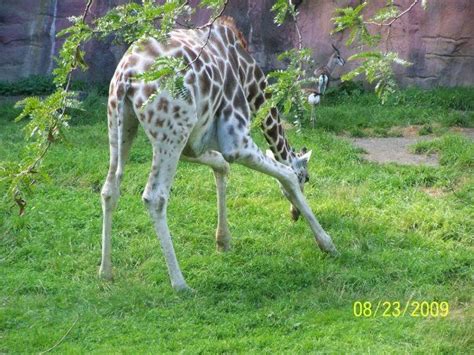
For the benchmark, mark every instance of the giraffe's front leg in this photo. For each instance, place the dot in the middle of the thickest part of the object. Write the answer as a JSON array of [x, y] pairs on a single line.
[[222, 233], [252, 157], [221, 169]]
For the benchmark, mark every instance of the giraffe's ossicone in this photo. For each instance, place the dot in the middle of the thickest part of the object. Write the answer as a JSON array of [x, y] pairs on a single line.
[[208, 123]]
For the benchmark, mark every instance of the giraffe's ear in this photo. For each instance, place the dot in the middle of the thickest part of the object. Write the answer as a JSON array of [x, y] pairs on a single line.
[[270, 154], [305, 157]]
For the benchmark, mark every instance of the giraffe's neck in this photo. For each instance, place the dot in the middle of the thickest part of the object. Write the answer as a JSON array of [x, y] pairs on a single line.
[[275, 135], [254, 84]]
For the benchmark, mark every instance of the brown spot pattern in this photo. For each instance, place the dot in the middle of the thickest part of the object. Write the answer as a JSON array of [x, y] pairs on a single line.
[[163, 105], [204, 84], [229, 84]]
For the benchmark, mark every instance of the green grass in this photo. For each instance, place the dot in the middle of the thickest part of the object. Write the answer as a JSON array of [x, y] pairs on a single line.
[[355, 110], [275, 291]]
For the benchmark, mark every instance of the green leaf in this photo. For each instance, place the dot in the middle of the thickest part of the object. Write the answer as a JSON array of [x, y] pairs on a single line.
[[281, 8]]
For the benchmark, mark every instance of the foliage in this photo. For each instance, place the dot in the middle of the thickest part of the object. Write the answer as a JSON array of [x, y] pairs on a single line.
[[215, 5], [352, 19], [274, 292], [130, 22], [282, 9], [48, 120], [377, 68], [32, 85], [71, 56], [285, 87], [377, 65], [167, 71]]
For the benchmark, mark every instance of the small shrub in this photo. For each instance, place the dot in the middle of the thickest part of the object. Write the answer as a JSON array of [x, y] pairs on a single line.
[[33, 85], [43, 85], [425, 130], [347, 88], [358, 133]]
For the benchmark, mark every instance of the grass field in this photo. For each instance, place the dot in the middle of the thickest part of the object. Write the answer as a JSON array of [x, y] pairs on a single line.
[[404, 233]]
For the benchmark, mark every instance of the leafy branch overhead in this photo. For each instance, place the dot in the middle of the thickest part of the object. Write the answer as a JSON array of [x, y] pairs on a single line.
[[285, 88], [377, 68], [48, 116], [368, 32]]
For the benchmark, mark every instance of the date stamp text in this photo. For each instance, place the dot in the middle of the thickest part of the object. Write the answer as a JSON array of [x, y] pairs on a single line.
[[421, 309]]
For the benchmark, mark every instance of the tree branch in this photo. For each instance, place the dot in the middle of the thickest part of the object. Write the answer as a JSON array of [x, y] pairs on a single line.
[[209, 24], [31, 169], [408, 9]]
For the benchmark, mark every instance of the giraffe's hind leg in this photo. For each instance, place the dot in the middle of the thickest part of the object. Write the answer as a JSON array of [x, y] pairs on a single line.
[[168, 134], [221, 169], [122, 130], [156, 197]]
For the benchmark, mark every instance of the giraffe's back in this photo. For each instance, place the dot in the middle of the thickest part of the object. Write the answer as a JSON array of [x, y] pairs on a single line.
[[221, 76]]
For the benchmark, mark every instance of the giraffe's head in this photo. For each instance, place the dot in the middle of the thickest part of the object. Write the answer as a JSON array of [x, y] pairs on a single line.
[[299, 164], [300, 167]]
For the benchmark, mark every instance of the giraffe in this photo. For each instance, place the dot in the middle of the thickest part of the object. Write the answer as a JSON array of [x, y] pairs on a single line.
[[208, 123]]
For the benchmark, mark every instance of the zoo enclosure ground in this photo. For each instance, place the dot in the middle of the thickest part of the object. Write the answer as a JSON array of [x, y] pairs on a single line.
[[274, 291]]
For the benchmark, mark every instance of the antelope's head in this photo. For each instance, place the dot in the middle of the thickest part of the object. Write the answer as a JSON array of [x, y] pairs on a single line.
[[337, 55]]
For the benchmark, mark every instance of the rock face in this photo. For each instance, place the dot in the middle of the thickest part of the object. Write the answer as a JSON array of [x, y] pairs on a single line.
[[28, 38], [439, 41]]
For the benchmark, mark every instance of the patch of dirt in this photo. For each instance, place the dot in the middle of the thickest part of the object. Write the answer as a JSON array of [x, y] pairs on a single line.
[[468, 132], [396, 149], [433, 191], [408, 131]]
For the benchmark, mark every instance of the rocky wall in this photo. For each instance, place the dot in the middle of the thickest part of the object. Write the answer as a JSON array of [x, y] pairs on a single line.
[[439, 41]]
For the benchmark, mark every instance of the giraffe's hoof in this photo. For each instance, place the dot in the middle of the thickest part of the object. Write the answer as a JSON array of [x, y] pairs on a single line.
[[106, 277], [334, 253], [105, 274], [184, 289], [223, 247], [223, 239], [329, 249]]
